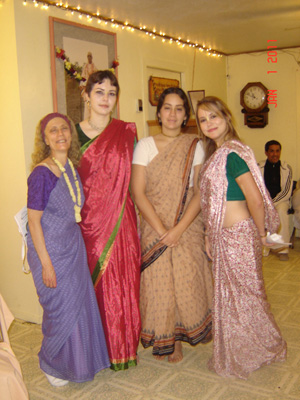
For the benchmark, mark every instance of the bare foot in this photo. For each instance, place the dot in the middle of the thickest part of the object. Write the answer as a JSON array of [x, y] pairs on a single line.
[[159, 358], [137, 359], [177, 356]]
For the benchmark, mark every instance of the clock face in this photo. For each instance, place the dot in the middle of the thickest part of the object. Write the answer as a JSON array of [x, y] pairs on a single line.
[[254, 97]]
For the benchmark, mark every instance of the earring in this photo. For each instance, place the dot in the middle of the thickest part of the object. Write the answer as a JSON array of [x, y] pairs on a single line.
[[184, 123]]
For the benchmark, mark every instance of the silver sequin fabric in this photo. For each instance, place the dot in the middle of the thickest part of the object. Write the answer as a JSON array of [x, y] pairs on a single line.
[[245, 333]]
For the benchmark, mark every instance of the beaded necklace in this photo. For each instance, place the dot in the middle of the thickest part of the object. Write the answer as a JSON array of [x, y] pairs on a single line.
[[77, 202], [98, 128]]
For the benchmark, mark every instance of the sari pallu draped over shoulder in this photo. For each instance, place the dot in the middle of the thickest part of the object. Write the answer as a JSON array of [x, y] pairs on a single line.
[[213, 180], [110, 232], [245, 334], [176, 286], [70, 311], [156, 249]]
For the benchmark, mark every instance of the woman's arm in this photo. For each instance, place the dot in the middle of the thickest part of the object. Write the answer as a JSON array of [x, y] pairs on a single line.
[[172, 236], [255, 203], [138, 190], [36, 231]]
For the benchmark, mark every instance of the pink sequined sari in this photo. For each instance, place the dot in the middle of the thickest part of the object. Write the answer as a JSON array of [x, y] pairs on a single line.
[[244, 330]]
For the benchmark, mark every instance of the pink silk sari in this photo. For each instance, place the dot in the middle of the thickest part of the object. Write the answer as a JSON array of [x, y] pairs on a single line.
[[244, 330], [109, 229]]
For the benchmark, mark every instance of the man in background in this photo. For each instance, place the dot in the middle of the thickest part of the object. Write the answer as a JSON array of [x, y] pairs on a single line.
[[279, 182]]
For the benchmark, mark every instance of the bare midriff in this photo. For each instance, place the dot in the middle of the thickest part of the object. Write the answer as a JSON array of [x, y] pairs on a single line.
[[235, 212]]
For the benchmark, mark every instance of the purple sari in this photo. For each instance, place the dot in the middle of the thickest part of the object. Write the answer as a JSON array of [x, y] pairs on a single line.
[[73, 346]]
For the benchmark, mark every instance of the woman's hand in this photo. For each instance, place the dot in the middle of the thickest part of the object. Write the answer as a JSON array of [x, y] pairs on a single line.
[[265, 243], [207, 247], [37, 234], [49, 276], [171, 237]]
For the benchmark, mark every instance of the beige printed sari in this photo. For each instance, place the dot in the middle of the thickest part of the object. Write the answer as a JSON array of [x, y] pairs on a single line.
[[176, 288]]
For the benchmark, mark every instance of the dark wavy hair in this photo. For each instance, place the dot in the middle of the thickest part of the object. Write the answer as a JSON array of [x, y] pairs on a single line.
[[182, 95], [99, 77], [216, 105]]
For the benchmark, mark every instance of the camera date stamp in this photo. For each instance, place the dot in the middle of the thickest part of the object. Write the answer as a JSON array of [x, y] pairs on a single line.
[[272, 59]]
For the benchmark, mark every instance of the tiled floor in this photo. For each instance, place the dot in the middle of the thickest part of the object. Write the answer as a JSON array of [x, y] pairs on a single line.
[[189, 379]]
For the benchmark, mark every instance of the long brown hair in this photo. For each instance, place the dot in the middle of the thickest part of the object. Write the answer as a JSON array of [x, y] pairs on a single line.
[[216, 105]]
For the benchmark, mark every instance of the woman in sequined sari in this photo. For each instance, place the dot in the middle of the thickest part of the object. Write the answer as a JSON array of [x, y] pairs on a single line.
[[237, 212], [176, 282]]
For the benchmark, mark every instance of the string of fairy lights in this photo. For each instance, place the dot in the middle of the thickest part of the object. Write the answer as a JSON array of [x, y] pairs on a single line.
[[117, 24]]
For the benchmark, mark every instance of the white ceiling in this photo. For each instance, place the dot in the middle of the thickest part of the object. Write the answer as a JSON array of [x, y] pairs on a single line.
[[228, 26]]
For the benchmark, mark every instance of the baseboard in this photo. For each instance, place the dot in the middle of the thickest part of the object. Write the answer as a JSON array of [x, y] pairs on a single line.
[[28, 316]]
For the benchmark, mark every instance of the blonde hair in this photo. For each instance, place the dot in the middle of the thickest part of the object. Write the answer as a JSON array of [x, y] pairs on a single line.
[[214, 104], [42, 150]]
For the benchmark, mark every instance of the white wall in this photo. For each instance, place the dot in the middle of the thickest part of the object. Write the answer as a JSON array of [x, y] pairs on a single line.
[[27, 96], [284, 120], [135, 52], [26, 85], [17, 289]]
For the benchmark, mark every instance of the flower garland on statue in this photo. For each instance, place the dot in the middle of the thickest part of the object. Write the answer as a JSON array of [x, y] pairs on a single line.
[[77, 202], [114, 65], [74, 70]]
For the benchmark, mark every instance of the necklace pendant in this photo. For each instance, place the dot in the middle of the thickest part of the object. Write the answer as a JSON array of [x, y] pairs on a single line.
[[98, 128], [77, 213]]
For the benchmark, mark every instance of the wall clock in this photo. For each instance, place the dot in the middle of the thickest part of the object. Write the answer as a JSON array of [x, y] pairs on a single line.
[[254, 100]]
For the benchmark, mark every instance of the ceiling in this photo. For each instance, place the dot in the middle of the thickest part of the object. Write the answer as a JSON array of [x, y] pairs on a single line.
[[228, 26]]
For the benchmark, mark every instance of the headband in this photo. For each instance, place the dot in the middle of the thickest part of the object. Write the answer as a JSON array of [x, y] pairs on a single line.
[[48, 117]]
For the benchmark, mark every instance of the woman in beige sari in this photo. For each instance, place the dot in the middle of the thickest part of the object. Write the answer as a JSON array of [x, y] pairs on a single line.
[[176, 285]]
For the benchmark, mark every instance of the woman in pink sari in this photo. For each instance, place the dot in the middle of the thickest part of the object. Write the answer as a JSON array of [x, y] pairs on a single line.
[[237, 212], [109, 225]]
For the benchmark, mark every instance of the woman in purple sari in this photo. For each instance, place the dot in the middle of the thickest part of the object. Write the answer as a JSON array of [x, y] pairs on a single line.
[[237, 210], [73, 347]]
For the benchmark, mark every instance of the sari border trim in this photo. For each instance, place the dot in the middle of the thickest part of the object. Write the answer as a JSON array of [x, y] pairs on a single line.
[[202, 333], [153, 254], [104, 258], [158, 249], [166, 346], [86, 145], [122, 364]]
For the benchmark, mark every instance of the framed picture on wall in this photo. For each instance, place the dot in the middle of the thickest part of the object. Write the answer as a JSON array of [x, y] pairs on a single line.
[[157, 86], [76, 52], [194, 97]]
